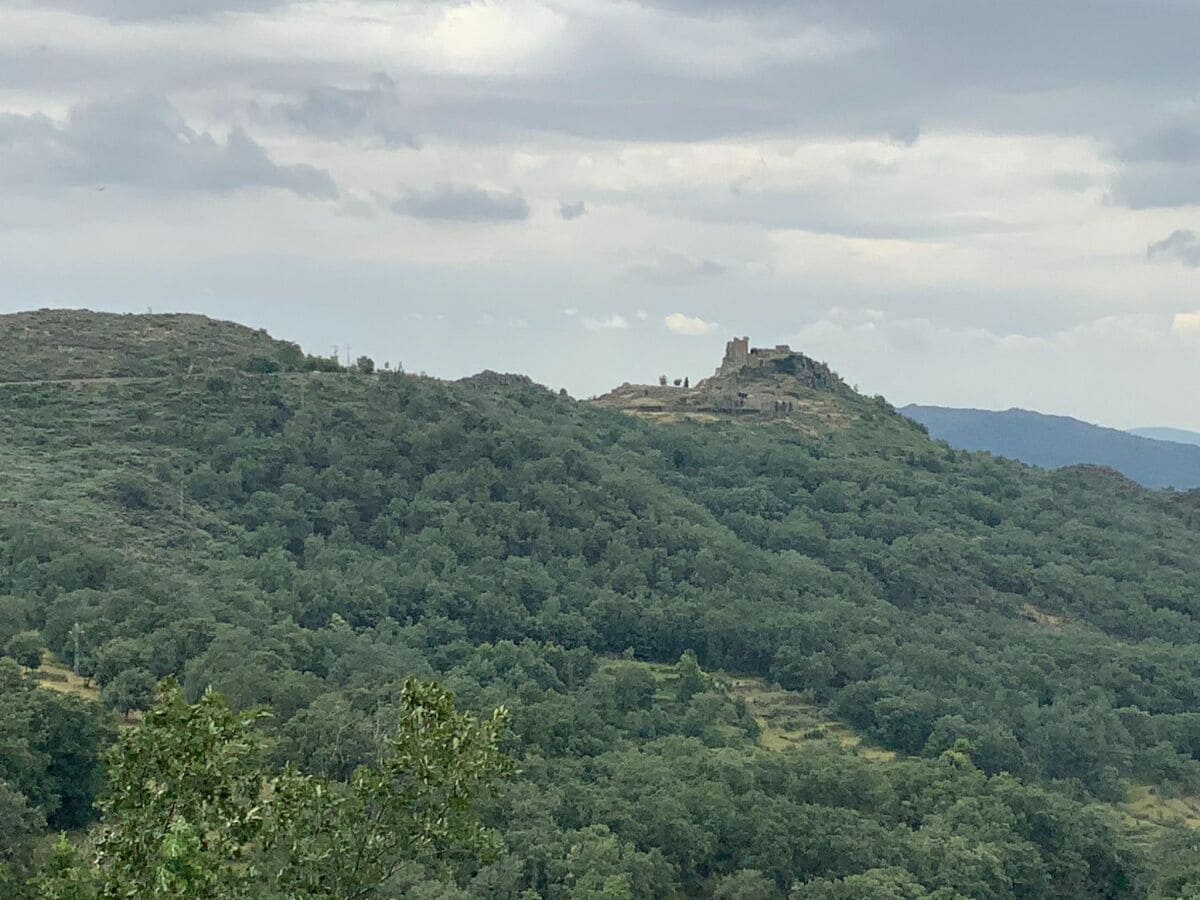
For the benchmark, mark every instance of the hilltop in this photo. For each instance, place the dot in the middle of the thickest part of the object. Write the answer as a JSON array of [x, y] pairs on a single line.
[[1056, 441], [62, 344], [948, 674], [757, 385]]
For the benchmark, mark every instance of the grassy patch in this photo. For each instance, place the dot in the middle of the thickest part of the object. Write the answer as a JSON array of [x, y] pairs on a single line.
[[785, 720], [1147, 805], [788, 722], [54, 676]]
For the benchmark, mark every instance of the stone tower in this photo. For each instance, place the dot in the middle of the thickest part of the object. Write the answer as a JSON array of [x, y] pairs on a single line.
[[737, 355]]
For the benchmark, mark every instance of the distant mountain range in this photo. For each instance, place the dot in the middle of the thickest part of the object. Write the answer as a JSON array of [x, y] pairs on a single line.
[[1178, 435], [1153, 457]]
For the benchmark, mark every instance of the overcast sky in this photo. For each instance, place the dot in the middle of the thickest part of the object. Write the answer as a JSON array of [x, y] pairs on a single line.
[[966, 203]]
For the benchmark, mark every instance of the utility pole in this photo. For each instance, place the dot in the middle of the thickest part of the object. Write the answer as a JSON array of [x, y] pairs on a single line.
[[75, 633]]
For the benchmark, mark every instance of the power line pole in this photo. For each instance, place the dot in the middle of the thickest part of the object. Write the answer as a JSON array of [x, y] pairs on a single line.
[[75, 633]]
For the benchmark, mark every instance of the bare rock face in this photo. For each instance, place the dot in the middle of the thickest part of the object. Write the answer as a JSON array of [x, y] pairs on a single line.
[[752, 383]]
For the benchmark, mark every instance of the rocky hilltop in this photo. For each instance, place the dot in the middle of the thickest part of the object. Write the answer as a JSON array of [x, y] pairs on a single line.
[[754, 383]]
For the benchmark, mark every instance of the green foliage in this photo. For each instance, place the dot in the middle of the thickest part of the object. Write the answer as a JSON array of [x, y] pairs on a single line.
[[191, 811], [417, 804], [66, 875], [312, 541], [50, 748], [689, 680], [184, 801], [20, 828], [133, 492], [26, 648], [129, 690]]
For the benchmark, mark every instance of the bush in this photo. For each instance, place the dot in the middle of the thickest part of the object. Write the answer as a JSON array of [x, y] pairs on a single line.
[[132, 493], [262, 365]]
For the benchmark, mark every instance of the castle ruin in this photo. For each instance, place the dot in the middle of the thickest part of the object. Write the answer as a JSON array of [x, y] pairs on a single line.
[[740, 355]]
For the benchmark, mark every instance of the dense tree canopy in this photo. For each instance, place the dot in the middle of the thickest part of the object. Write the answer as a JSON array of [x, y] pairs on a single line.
[[1026, 641]]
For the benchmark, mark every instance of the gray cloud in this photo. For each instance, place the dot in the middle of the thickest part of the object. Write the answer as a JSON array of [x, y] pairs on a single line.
[[673, 269], [1161, 168], [142, 142], [571, 209], [1182, 245], [1175, 143], [925, 61], [1151, 185], [462, 203], [135, 10], [339, 113]]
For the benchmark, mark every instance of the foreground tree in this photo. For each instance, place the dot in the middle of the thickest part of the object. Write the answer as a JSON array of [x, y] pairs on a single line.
[[417, 805], [192, 812]]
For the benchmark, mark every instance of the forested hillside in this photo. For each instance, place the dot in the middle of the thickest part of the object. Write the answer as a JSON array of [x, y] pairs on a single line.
[[1024, 642]]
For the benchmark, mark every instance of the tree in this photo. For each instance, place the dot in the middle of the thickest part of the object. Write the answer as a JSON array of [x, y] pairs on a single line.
[[689, 678], [366, 365], [746, 884], [131, 689], [184, 802], [26, 648], [417, 804], [192, 811], [66, 875], [662, 380], [20, 827], [14, 617]]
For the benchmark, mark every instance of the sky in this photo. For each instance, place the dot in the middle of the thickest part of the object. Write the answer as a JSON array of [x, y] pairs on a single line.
[[952, 202]]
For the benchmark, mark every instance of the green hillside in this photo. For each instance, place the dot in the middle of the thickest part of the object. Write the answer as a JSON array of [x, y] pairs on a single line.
[[55, 345], [948, 675]]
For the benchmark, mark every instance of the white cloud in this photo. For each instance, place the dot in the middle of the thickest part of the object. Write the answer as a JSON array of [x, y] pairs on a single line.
[[678, 323], [1186, 324], [614, 322], [1074, 371]]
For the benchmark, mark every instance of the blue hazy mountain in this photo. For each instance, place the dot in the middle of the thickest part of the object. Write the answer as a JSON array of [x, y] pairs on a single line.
[[1055, 441], [1178, 435]]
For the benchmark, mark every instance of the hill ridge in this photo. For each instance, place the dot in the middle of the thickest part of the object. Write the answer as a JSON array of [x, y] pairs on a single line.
[[48, 345], [1056, 441]]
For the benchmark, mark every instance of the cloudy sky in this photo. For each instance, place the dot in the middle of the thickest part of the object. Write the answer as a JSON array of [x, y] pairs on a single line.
[[969, 203]]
